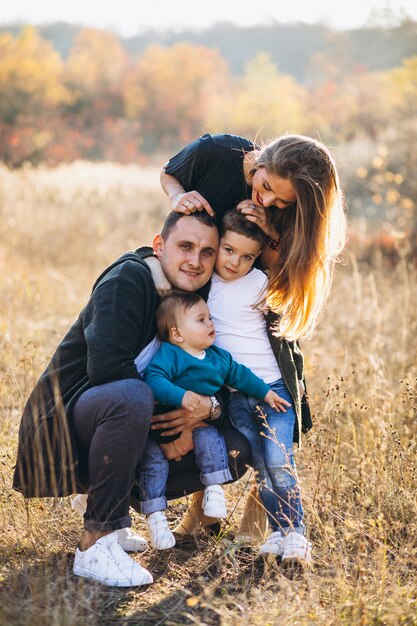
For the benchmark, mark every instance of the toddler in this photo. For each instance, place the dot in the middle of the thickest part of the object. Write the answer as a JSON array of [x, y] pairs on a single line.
[[187, 364]]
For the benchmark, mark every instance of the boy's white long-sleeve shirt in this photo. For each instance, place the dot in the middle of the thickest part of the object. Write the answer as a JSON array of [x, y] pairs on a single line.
[[240, 328]]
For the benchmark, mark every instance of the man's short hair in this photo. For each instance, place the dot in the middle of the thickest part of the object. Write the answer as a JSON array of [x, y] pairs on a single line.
[[173, 217], [166, 314], [236, 222]]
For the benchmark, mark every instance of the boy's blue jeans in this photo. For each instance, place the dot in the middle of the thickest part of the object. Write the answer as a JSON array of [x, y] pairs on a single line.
[[210, 457], [270, 435]]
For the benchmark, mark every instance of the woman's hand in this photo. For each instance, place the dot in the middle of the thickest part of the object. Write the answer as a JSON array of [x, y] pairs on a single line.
[[181, 419], [189, 202], [162, 284], [257, 215], [182, 201], [260, 216]]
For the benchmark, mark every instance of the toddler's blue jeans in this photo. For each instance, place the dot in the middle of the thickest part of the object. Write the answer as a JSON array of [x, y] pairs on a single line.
[[210, 457]]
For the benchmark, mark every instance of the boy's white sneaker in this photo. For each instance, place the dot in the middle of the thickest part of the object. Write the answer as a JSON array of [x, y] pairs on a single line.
[[160, 534], [273, 544], [128, 539], [79, 503], [296, 548], [107, 563], [214, 502]]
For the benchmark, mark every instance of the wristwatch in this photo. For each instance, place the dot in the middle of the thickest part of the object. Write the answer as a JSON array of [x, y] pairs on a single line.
[[216, 409]]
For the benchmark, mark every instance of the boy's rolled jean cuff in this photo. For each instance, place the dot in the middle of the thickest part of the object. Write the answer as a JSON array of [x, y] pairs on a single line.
[[216, 478], [147, 507], [116, 524]]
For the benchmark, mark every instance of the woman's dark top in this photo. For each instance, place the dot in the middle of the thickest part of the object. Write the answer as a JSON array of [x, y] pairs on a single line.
[[213, 166]]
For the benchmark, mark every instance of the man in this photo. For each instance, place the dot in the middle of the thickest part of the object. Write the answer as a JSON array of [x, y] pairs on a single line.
[[87, 420]]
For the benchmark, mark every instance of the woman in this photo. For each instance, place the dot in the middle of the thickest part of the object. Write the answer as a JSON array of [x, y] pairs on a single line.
[[290, 188]]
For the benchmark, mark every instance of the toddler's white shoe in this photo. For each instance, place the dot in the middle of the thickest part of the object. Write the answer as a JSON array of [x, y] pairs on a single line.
[[273, 544], [160, 534], [128, 539], [131, 541], [107, 563], [296, 548], [214, 502]]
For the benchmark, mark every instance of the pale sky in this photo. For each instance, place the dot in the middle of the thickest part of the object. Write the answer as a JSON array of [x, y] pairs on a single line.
[[129, 16]]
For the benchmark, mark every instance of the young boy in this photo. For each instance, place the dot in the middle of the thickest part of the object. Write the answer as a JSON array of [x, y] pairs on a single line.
[[237, 291], [186, 365]]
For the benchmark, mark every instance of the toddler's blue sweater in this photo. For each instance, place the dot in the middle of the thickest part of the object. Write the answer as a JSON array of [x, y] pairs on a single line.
[[173, 371]]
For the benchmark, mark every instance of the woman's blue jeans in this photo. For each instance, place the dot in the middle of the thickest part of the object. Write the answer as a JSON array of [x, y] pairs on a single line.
[[270, 435]]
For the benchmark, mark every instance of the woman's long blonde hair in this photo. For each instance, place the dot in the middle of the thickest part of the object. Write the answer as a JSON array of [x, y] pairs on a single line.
[[312, 233]]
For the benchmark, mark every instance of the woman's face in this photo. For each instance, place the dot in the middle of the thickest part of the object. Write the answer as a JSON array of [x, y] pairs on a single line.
[[272, 190]]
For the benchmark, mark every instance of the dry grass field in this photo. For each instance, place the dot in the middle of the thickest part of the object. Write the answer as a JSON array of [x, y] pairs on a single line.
[[358, 465]]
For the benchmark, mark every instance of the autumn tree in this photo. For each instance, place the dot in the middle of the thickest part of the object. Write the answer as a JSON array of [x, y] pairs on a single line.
[[97, 64], [30, 91], [263, 102], [346, 107], [171, 90], [95, 72], [400, 90]]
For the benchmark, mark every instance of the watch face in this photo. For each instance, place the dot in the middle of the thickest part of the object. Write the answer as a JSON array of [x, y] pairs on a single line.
[[216, 409]]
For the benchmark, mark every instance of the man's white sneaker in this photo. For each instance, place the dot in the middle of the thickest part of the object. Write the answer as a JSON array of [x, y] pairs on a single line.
[[214, 502], [296, 548], [160, 534], [128, 539], [273, 544], [107, 563]]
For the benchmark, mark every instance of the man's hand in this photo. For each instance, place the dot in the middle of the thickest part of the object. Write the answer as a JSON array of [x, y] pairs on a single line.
[[175, 450], [181, 419]]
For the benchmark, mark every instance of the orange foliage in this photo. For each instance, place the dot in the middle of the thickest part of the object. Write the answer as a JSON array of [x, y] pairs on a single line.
[[261, 102], [30, 75], [98, 104], [31, 92], [172, 89], [97, 63]]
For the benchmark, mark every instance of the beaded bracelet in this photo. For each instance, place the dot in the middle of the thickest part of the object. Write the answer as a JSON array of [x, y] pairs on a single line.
[[272, 243]]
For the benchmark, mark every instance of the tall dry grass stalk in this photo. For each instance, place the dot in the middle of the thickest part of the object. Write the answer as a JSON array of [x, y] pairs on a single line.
[[58, 229]]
